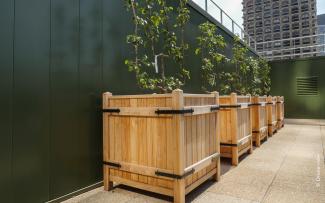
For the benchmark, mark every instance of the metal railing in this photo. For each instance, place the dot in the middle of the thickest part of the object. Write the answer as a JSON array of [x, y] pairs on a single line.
[[224, 19]]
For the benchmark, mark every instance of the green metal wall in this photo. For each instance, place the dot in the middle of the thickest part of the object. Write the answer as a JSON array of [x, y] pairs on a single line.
[[283, 77], [56, 58]]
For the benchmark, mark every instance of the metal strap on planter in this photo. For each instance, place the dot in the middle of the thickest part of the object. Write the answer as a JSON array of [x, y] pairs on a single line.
[[240, 142], [182, 111], [229, 144], [111, 110], [117, 165], [270, 103], [255, 104], [230, 106], [191, 169], [215, 108], [236, 106], [175, 176]]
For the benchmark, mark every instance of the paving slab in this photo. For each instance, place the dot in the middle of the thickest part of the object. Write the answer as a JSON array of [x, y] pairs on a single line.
[[289, 167]]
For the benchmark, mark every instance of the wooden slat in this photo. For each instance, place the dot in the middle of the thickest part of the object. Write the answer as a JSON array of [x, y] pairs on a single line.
[[136, 184]]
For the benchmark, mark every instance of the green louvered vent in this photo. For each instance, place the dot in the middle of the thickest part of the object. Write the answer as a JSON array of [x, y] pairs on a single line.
[[307, 86]]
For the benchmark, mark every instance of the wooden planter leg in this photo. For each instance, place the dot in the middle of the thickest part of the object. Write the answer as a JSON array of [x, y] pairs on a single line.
[[179, 191], [234, 160], [108, 185], [258, 140], [217, 175], [250, 151]]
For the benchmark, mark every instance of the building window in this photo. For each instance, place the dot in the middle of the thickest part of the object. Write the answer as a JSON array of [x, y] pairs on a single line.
[[295, 18], [295, 26], [305, 24], [294, 10], [305, 16], [276, 13], [285, 27], [276, 21], [305, 32], [296, 34], [285, 19], [276, 36], [276, 28], [304, 8], [277, 44], [286, 35], [267, 14], [258, 9], [259, 31], [286, 43], [267, 22], [268, 30], [268, 38], [285, 3], [285, 11]]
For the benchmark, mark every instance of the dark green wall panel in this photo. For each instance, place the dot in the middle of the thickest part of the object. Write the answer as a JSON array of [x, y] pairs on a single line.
[[6, 80], [31, 117], [64, 77], [284, 74], [90, 87], [56, 59], [116, 25]]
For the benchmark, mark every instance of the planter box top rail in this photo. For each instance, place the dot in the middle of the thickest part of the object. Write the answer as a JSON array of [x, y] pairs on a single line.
[[259, 100], [280, 99], [271, 100], [129, 105], [235, 101]]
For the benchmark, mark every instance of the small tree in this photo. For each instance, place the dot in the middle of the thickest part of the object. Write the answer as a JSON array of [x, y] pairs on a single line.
[[155, 43], [254, 84], [238, 79], [210, 46], [264, 74]]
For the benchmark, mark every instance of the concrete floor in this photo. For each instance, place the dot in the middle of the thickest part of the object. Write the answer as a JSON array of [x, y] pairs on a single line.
[[289, 167]]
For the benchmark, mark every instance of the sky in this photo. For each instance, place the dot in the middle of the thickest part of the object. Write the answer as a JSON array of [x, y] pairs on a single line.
[[234, 8]]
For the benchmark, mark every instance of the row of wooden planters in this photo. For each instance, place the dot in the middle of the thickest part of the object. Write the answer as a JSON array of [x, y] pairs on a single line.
[[170, 143]]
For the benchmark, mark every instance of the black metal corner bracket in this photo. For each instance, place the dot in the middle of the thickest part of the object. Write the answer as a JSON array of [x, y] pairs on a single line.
[[111, 110], [182, 111], [215, 108], [175, 176], [117, 165], [229, 144], [255, 104], [230, 106]]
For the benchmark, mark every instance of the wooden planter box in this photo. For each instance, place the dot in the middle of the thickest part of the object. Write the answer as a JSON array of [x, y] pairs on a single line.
[[271, 115], [163, 143], [235, 126], [280, 112], [259, 119]]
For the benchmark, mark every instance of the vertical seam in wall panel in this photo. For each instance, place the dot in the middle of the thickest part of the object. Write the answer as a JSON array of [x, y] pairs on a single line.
[[78, 69], [102, 51], [12, 99], [50, 103]]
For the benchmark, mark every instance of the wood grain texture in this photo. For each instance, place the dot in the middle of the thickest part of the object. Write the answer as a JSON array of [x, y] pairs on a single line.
[[143, 142], [271, 115], [280, 111], [235, 127]]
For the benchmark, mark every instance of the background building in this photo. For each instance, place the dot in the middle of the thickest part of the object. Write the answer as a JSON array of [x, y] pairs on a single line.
[[321, 33], [282, 28]]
